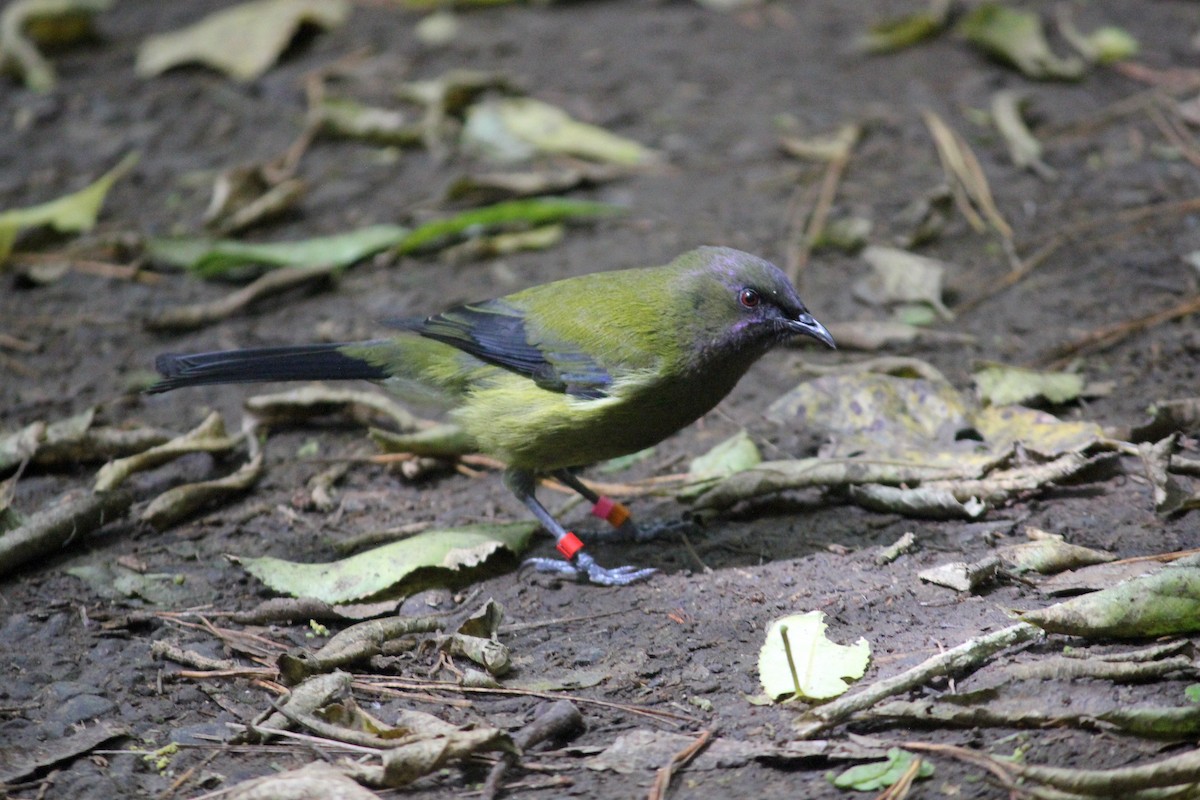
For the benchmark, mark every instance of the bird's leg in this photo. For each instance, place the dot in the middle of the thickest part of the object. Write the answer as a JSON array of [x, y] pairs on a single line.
[[607, 509], [617, 514], [579, 565]]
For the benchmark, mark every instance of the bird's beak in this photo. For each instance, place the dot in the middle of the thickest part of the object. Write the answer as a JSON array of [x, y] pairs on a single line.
[[807, 325]]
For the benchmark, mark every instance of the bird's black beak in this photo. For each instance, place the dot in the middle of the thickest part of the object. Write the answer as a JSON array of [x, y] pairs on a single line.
[[807, 325]]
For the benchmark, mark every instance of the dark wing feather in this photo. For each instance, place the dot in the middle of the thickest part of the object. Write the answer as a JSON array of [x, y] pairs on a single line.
[[496, 332]]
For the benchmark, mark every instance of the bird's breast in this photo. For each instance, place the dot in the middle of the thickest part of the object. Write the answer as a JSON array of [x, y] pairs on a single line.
[[540, 430]]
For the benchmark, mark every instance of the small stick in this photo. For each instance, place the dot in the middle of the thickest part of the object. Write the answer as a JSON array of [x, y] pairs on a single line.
[[1173, 130], [20, 345], [1105, 337], [798, 254], [662, 780], [100, 269], [1051, 244], [559, 721], [971, 652], [198, 315], [384, 687]]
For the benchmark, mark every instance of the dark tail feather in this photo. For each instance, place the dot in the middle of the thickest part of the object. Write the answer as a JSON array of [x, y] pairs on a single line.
[[309, 362]]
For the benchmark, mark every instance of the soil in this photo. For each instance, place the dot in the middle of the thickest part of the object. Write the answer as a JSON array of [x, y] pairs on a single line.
[[713, 91]]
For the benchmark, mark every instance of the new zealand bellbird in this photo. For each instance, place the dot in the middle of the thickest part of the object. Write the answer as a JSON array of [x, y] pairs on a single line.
[[564, 374]]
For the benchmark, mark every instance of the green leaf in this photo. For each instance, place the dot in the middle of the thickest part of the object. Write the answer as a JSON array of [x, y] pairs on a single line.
[[735, 454], [797, 660], [1104, 45], [901, 277], [242, 41], [445, 440], [517, 128], [211, 258], [390, 569], [1111, 44], [25, 24], [902, 32], [880, 774], [918, 421], [70, 213], [1050, 556], [1192, 692], [533, 211], [1016, 37], [354, 120], [1000, 385], [1165, 603]]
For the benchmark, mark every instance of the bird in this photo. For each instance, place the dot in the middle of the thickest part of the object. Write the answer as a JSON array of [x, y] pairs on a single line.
[[562, 375]]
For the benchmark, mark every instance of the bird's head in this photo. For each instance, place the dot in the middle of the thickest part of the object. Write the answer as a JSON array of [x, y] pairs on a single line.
[[742, 302]]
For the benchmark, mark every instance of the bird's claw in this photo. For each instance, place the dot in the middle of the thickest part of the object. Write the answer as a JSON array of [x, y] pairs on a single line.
[[584, 568]]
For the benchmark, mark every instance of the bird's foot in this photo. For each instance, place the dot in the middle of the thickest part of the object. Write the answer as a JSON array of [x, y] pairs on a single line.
[[582, 567]]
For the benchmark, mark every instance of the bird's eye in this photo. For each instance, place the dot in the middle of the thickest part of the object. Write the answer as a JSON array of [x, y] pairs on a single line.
[[749, 298]]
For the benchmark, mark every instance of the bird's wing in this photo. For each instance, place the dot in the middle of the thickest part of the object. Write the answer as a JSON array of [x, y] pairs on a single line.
[[496, 332]]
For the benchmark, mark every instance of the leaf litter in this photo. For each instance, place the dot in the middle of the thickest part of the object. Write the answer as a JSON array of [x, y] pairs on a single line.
[[1164, 464], [916, 446], [72, 213], [26, 24], [242, 41], [798, 661]]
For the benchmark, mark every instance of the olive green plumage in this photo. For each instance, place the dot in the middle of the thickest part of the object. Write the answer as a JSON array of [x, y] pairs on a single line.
[[566, 373], [651, 350]]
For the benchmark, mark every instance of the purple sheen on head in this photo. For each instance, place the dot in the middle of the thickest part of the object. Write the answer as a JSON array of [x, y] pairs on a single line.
[[735, 269]]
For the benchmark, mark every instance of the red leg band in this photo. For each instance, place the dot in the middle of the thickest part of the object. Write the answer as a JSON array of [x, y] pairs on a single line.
[[569, 545], [603, 507], [611, 511]]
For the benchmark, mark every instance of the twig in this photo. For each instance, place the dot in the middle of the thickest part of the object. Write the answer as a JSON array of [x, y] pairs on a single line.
[[970, 653], [8, 342], [966, 177], [1105, 337], [799, 251], [16, 366], [85, 266], [899, 790], [1174, 131], [902, 546], [560, 621], [1174, 79], [187, 775], [1174, 771], [386, 685], [642, 487], [233, 672], [662, 780], [74, 515], [198, 315], [1170, 82], [1162, 558], [687, 545], [1091, 123], [284, 733], [190, 658], [1051, 244], [1002, 770], [255, 646], [559, 721], [799, 209], [1014, 276]]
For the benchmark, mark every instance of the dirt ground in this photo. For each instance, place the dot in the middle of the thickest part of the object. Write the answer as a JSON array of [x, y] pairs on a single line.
[[710, 90]]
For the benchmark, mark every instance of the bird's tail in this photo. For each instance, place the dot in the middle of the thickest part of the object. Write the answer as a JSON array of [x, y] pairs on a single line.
[[309, 362]]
